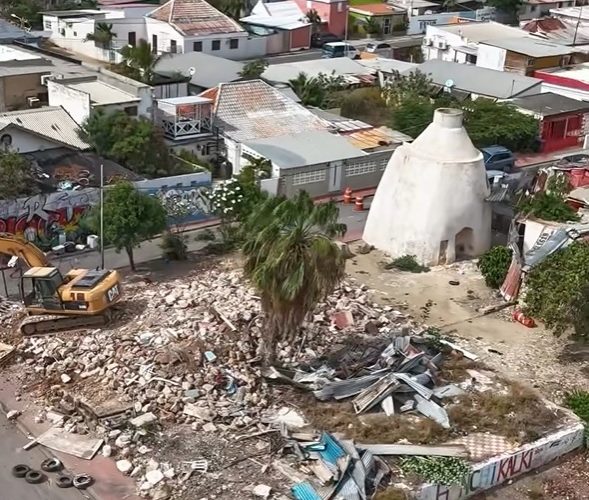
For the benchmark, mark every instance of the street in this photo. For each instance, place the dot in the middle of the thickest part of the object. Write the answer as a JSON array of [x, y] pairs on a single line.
[[11, 454]]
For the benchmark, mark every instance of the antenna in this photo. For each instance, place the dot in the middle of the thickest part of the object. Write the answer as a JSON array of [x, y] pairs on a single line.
[[448, 84], [192, 71]]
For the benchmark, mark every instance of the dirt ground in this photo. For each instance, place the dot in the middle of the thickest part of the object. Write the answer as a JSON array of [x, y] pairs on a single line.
[[554, 366]]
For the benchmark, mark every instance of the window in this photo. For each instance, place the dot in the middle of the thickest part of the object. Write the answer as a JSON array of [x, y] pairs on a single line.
[[361, 168], [132, 38], [216, 45], [75, 33], [131, 110], [47, 25], [340, 6], [173, 46], [386, 26], [556, 129], [383, 163], [62, 31], [197, 46], [154, 43], [308, 177], [234, 43]]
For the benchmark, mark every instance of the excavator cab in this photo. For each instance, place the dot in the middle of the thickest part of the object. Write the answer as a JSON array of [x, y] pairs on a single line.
[[40, 288]]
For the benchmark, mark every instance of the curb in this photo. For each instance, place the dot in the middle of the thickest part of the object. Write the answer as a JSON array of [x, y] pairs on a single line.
[[45, 451]]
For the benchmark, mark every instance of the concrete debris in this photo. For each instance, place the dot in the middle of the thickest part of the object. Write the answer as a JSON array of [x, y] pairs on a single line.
[[143, 420], [106, 450], [12, 414], [154, 476], [124, 466], [65, 378], [262, 491]]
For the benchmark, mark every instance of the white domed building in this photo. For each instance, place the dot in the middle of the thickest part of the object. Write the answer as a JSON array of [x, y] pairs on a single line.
[[431, 199]]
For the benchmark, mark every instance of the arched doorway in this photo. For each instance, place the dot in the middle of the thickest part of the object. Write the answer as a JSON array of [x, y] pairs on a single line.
[[463, 244]]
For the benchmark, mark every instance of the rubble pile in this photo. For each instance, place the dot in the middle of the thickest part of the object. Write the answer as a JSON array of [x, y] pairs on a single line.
[[182, 352]]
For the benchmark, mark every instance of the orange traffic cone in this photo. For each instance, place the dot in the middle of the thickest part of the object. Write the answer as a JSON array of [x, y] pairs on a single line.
[[348, 196]]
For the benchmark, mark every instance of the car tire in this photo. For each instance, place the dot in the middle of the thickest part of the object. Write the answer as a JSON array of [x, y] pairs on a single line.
[[51, 465], [64, 482], [34, 477], [20, 470], [82, 481]]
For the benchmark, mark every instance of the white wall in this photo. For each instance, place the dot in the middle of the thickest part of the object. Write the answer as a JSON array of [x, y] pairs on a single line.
[[25, 142], [75, 102], [579, 94], [140, 90], [491, 57], [452, 39]]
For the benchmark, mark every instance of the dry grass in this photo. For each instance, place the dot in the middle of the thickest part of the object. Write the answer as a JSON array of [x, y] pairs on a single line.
[[391, 493], [454, 368], [517, 413]]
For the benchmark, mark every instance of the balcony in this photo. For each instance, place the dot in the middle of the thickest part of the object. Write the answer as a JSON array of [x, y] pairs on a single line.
[[185, 117]]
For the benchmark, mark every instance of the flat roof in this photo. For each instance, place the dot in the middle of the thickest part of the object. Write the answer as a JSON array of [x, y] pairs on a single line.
[[69, 13], [530, 46], [8, 53], [376, 9], [191, 99], [477, 31], [102, 93], [306, 148], [578, 72], [284, 72], [549, 104]]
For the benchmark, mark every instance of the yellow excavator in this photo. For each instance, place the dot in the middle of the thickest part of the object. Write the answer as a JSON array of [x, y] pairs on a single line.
[[82, 298]]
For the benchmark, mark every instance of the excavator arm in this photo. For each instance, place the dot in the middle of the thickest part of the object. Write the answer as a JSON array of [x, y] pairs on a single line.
[[25, 250]]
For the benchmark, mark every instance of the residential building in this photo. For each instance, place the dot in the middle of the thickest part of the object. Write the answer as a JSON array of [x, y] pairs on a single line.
[[564, 122], [181, 26], [570, 81], [351, 71], [467, 81], [203, 71], [417, 7], [556, 30], [32, 130], [535, 9], [333, 14], [419, 23], [460, 42], [388, 18], [287, 20], [522, 55], [105, 90]]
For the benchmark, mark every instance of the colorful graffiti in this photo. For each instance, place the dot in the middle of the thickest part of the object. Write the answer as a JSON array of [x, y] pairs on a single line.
[[503, 468], [45, 215]]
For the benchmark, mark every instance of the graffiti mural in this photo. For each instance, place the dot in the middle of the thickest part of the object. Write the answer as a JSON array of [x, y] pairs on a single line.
[[43, 216]]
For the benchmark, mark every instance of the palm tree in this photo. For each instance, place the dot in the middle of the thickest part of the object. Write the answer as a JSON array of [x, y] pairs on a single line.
[[141, 59], [293, 261], [371, 26], [254, 69], [233, 8], [103, 35], [309, 90], [314, 18]]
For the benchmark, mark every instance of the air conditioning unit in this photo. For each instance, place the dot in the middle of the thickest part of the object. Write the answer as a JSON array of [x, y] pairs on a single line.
[[442, 44], [45, 79], [33, 102], [427, 41]]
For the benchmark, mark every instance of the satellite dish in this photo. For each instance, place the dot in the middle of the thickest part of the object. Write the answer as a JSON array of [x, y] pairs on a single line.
[[449, 84], [191, 71]]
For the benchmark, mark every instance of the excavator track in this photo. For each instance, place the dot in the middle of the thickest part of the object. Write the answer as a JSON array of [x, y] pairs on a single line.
[[41, 325]]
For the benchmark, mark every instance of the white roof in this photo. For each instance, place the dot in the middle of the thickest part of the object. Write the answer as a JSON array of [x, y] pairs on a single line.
[[574, 12], [8, 53], [386, 65], [478, 32], [190, 99], [102, 93], [284, 15], [339, 65], [51, 122]]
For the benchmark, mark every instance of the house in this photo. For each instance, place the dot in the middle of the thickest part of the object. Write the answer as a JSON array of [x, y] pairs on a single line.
[[460, 42], [105, 90], [385, 17], [469, 81], [333, 14], [522, 55], [351, 71], [417, 7], [535, 9], [39, 129], [287, 20], [570, 81], [564, 122], [181, 26], [556, 30], [203, 71]]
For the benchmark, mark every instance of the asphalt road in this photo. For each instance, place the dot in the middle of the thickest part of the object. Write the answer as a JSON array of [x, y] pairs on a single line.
[[11, 453]]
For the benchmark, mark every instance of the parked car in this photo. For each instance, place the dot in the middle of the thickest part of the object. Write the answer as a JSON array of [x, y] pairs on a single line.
[[319, 39], [574, 158], [498, 158], [339, 49], [376, 47]]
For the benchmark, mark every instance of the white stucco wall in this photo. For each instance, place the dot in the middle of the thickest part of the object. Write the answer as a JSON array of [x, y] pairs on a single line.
[[75, 102], [25, 142], [491, 57], [431, 190]]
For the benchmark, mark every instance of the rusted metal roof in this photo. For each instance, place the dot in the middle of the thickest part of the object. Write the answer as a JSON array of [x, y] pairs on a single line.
[[382, 137], [195, 17], [252, 109]]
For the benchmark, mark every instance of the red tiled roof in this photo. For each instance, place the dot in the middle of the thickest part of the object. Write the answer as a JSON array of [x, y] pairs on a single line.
[[195, 17]]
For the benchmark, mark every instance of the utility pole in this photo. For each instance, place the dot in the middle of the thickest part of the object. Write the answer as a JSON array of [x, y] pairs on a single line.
[[102, 216], [578, 23]]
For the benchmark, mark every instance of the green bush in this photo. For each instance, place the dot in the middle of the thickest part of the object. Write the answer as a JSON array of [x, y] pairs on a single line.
[[578, 402], [206, 235], [173, 246], [436, 470], [494, 265], [407, 263]]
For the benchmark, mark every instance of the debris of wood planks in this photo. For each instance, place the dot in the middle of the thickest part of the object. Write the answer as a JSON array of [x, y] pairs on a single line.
[[495, 307], [432, 410], [6, 352], [223, 318], [464, 352], [414, 449]]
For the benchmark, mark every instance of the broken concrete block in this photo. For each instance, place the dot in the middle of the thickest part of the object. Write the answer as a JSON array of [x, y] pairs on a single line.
[[124, 466], [65, 378], [198, 412], [106, 450], [12, 414], [142, 420], [209, 427], [262, 491], [154, 476], [342, 319]]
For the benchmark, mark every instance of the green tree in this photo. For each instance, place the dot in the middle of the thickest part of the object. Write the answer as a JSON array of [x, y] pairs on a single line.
[[510, 7], [314, 18], [315, 91], [413, 115], [557, 290], [371, 26], [403, 86], [494, 265], [489, 123], [550, 203], [140, 60], [29, 12], [254, 69], [136, 143], [293, 262], [365, 104], [130, 217], [16, 177], [103, 35]]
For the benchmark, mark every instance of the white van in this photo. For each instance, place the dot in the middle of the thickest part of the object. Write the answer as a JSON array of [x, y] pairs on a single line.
[[339, 49]]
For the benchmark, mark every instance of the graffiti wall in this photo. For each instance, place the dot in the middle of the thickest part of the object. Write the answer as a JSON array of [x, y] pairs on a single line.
[[43, 216], [502, 468]]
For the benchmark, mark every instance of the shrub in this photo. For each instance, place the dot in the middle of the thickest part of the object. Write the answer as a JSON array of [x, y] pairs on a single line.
[[173, 246], [494, 265], [437, 470], [407, 263], [206, 235], [578, 402]]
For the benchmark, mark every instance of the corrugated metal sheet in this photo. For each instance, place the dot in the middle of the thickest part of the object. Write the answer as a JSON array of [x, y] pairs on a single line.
[[195, 17], [333, 451], [304, 491], [377, 137]]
